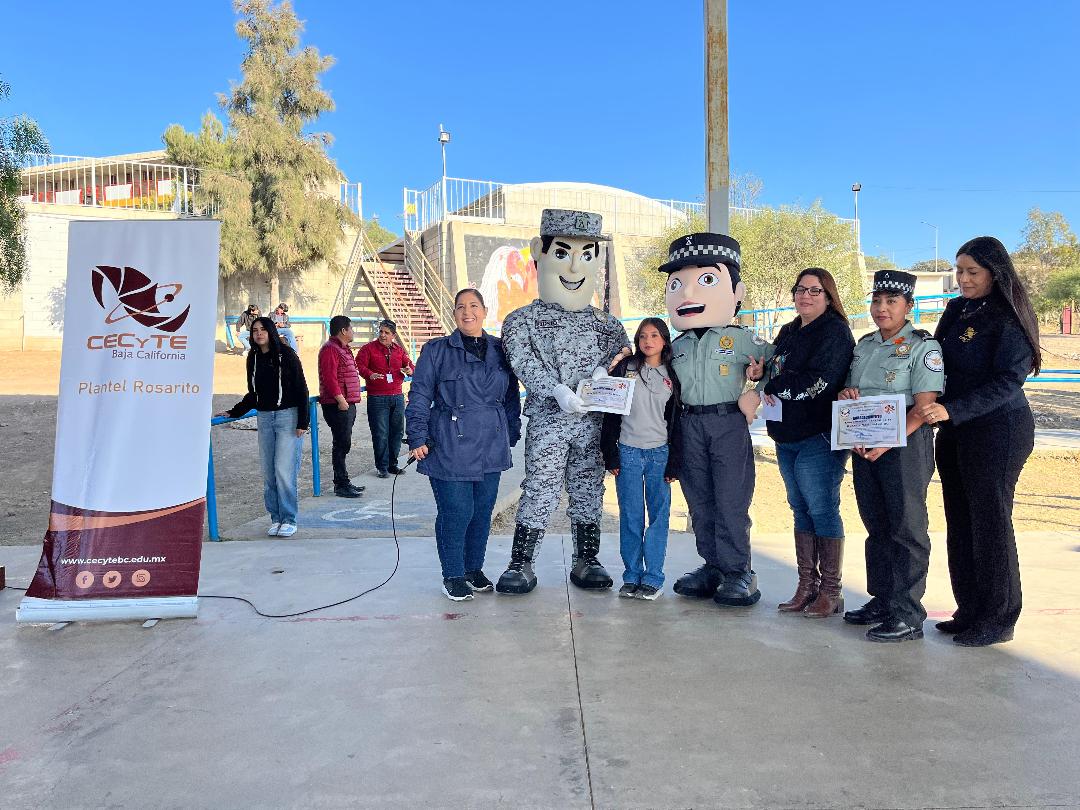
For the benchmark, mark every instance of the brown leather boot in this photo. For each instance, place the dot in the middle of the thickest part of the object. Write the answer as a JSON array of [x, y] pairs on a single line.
[[830, 598], [809, 578]]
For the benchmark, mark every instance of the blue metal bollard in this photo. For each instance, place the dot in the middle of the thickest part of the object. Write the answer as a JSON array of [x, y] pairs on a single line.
[[316, 478], [211, 496]]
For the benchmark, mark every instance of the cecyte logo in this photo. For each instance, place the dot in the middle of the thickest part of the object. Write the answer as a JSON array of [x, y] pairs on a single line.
[[140, 298]]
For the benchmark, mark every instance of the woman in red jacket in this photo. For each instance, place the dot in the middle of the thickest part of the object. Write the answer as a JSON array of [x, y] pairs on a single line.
[[383, 363]]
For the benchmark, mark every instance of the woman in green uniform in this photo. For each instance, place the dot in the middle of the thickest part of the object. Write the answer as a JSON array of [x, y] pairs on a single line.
[[891, 483]]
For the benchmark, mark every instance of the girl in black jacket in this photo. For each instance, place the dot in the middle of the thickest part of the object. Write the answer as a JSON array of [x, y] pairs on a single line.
[[278, 391], [640, 451]]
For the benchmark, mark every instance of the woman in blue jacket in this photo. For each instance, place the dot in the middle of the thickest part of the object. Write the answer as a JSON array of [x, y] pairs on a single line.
[[463, 416]]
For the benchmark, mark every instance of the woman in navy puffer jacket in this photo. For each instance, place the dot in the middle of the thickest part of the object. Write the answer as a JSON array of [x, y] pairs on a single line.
[[463, 416]]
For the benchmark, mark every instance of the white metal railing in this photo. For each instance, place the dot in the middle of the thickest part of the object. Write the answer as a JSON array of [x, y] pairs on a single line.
[[113, 183], [521, 204], [365, 263], [350, 197], [431, 286]]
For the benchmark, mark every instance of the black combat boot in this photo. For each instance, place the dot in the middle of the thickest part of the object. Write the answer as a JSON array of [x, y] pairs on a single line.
[[518, 576], [587, 571]]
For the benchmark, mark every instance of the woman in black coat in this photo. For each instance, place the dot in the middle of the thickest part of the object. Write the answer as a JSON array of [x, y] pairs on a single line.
[[990, 343], [808, 369]]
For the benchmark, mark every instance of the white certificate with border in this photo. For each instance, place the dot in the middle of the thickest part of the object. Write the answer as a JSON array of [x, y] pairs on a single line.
[[607, 394], [869, 422]]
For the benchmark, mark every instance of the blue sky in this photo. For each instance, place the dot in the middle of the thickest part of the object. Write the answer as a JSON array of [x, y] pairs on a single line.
[[962, 114]]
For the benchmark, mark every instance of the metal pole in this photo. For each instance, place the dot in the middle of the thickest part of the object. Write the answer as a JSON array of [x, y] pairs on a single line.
[[211, 496], [316, 478], [717, 158]]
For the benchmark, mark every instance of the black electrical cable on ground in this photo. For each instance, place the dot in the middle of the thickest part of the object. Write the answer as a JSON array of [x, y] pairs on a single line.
[[397, 563]]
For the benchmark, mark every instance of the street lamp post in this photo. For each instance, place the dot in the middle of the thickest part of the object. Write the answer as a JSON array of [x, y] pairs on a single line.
[[444, 139], [856, 188], [935, 227]]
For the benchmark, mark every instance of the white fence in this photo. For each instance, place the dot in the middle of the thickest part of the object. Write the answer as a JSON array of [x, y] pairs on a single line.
[[112, 183], [521, 204]]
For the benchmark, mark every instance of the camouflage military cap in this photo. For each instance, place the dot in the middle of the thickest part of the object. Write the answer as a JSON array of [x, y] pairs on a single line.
[[562, 222]]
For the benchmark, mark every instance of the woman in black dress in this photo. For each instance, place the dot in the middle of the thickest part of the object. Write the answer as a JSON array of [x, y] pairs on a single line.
[[990, 343]]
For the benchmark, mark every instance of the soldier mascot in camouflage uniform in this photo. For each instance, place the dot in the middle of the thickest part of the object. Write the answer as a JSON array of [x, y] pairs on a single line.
[[710, 357], [552, 344]]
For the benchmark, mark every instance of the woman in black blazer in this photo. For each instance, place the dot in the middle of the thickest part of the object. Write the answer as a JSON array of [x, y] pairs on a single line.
[[990, 343]]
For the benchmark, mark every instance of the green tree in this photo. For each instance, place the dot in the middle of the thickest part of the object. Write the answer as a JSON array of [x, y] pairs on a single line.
[[875, 264], [776, 245], [19, 136], [1063, 287], [1049, 246], [271, 179], [377, 234], [930, 266]]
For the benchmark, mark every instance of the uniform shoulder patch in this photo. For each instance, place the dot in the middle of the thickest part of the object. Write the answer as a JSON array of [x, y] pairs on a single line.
[[868, 336], [932, 360], [922, 333]]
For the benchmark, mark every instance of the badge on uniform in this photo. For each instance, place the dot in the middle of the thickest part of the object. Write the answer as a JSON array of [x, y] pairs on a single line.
[[726, 342], [756, 340], [890, 377], [932, 360], [725, 369], [968, 334], [903, 350]]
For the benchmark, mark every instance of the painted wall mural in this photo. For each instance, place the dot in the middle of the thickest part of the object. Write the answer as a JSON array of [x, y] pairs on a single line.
[[504, 272]]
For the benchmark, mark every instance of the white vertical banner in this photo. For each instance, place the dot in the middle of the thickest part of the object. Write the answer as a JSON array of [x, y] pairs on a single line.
[[133, 423]]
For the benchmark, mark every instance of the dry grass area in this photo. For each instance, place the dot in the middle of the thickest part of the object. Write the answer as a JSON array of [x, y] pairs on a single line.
[[1048, 496]]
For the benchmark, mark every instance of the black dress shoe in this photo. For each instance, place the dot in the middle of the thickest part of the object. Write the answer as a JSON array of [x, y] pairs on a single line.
[[701, 583], [892, 630], [738, 590], [952, 626], [983, 636], [382, 474], [397, 471], [356, 489], [872, 612], [346, 492]]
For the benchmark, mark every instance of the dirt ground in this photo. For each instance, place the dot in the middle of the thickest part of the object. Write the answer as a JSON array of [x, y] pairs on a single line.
[[28, 426], [1048, 495]]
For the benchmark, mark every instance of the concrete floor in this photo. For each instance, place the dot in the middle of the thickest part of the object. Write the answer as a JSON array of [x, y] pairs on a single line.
[[559, 699]]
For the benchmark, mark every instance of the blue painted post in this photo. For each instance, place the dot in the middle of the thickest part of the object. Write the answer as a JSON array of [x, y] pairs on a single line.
[[316, 482], [211, 496]]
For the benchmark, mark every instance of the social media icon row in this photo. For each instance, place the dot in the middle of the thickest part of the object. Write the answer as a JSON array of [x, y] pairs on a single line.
[[112, 579]]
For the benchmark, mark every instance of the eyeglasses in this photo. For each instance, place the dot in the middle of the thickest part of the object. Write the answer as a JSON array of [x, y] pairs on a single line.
[[814, 292]]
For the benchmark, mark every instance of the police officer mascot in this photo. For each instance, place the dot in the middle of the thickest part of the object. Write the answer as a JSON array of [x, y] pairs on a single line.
[[891, 484], [552, 344], [710, 358]]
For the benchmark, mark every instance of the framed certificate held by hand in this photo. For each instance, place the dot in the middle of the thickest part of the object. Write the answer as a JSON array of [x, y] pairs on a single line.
[[607, 394], [869, 422]]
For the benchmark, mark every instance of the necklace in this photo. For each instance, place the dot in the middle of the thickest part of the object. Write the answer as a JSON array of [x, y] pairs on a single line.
[[967, 310]]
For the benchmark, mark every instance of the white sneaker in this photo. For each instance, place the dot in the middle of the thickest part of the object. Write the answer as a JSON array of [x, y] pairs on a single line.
[[287, 530], [273, 530]]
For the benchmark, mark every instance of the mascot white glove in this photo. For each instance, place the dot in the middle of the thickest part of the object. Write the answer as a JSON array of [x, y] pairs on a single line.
[[599, 372], [568, 400]]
